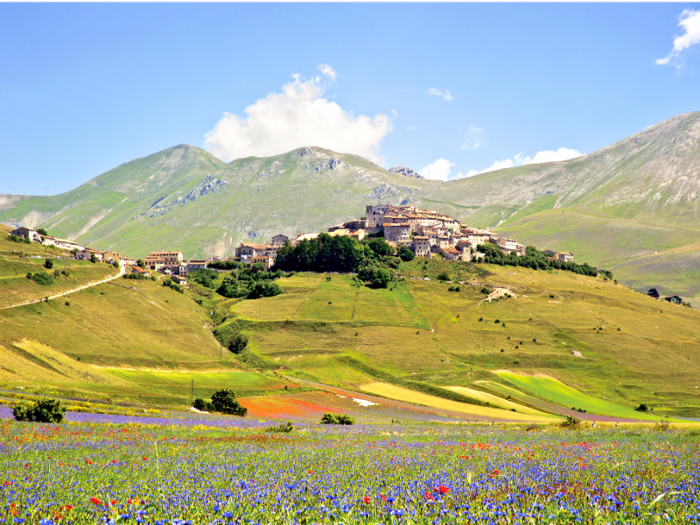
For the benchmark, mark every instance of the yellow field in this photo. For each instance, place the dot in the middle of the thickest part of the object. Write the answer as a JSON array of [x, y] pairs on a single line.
[[409, 396], [494, 400]]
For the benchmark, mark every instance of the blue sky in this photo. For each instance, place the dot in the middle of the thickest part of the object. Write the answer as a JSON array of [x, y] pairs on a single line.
[[86, 87]]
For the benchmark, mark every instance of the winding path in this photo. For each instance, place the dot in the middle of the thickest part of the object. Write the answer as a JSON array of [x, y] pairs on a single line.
[[122, 271]]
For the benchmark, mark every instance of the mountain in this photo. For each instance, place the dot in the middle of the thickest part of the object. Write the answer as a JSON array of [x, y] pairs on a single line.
[[628, 200]]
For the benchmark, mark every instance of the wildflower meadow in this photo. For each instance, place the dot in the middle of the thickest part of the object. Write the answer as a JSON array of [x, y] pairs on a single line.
[[168, 473]]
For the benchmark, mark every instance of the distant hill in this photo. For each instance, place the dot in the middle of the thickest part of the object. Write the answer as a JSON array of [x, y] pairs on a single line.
[[631, 199]]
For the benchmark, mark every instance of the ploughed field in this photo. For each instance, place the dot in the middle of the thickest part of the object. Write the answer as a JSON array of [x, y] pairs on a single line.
[[379, 473]]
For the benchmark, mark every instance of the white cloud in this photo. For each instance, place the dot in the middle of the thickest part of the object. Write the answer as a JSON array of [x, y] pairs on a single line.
[[298, 116], [553, 156], [518, 160], [440, 93], [328, 71], [690, 22], [475, 138], [440, 169]]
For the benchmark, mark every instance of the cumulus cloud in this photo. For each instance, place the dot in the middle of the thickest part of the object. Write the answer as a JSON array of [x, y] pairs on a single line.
[[440, 169], [444, 94], [298, 116], [475, 138], [690, 22], [327, 70], [519, 160]]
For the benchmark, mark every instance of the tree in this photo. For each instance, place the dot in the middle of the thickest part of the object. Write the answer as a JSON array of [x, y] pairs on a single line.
[[41, 411], [405, 253], [93, 258], [224, 401], [141, 263], [48, 263], [381, 278], [41, 231]]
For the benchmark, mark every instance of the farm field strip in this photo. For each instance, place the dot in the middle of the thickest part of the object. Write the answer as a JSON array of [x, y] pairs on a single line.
[[473, 411], [565, 396]]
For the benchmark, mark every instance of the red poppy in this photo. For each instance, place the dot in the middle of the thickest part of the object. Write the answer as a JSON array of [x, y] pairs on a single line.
[[443, 490], [429, 496], [7, 483], [367, 500], [113, 502], [95, 501], [88, 462], [145, 458], [67, 507]]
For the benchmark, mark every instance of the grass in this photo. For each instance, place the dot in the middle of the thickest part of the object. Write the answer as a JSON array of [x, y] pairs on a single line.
[[563, 395], [494, 400], [653, 358]]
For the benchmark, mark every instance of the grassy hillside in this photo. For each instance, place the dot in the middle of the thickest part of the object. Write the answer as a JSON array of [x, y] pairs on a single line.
[[426, 339], [19, 259]]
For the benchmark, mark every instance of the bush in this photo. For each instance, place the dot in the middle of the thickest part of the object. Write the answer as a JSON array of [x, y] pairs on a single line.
[[642, 408], [571, 422], [444, 276], [65, 273], [41, 231], [381, 278], [286, 428], [170, 284], [264, 289], [41, 411], [485, 291], [204, 406], [48, 263], [238, 344], [337, 419], [405, 253], [41, 278], [224, 401]]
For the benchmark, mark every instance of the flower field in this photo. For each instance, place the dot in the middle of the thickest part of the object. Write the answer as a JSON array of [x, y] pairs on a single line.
[[86, 472]]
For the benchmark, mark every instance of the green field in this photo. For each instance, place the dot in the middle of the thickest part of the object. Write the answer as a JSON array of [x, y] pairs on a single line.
[[563, 395], [635, 349]]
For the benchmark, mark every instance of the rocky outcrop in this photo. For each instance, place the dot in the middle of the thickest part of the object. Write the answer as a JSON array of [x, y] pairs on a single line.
[[209, 184], [406, 172]]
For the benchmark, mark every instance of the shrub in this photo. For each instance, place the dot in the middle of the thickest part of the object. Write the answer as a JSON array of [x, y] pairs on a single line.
[[48, 263], [337, 419], [381, 278], [65, 273], [29, 275], [56, 274], [170, 284], [282, 427], [264, 289], [41, 278], [204, 406], [41, 411], [238, 344], [642, 408], [485, 291], [571, 422], [224, 401], [41, 231], [444, 276]]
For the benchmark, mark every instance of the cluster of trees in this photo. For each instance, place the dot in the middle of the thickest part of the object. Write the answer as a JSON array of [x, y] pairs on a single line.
[[337, 419], [171, 284], [41, 411], [373, 259], [15, 238], [42, 278], [250, 282], [535, 260], [223, 401], [138, 276]]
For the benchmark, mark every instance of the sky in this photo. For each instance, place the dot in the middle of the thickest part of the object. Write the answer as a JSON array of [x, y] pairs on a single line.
[[449, 90]]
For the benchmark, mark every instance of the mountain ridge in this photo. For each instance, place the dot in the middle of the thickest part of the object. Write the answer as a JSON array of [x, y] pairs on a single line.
[[185, 198]]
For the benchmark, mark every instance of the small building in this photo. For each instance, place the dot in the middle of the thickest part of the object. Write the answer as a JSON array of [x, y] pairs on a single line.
[[166, 260], [87, 253], [138, 270], [674, 299], [196, 264], [267, 261], [112, 257], [397, 232], [179, 279], [654, 293], [450, 253], [421, 246], [27, 233], [279, 240], [566, 257]]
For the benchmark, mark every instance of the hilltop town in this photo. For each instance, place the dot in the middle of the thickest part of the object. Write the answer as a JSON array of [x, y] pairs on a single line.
[[425, 232]]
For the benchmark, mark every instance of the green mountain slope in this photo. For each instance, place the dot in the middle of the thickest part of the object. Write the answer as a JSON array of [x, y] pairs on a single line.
[[631, 199]]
